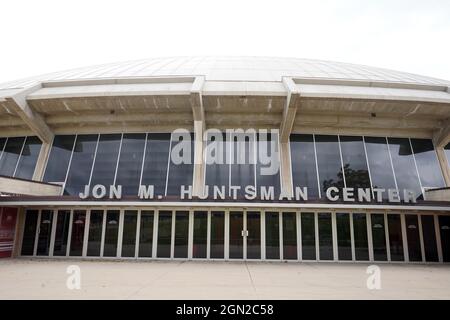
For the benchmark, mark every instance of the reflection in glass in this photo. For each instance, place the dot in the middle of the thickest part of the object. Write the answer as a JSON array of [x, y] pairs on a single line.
[[62, 233], [429, 238], [289, 236], [268, 147], [354, 162], [395, 237], [28, 158], [129, 233], [76, 240], [29, 232], [146, 234], [155, 164], [106, 159], [343, 236], [360, 237], [2, 145], [10, 156], [427, 163], [217, 162], [164, 234], [81, 164], [308, 236], [378, 237], [130, 163], [413, 237], [242, 161], [329, 162], [95, 233], [111, 233], [45, 231], [447, 153], [217, 235], [254, 235], [272, 235], [404, 167], [181, 234], [200, 234], [59, 158], [304, 171], [180, 174], [325, 236], [236, 236], [379, 163], [444, 226]]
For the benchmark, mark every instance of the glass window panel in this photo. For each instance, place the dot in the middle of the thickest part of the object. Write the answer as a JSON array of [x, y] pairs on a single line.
[[95, 233], [236, 235], [427, 163], [254, 235], [395, 237], [268, 174], [164, 234], [289, 236], [155, 165], [106, 159], [354, 162], [379, 163], [272, 235], [360, 237], [10, 156], [217, 174], [45, 231], [180, 174], [217, 235], [29, 232], [81, 164], [130, 163], [412, 234], [28, 158], [146, 234], [378, 237], [111, 233], [62, 233], [243, 161], [181, 234], [59, 158], [343, 236], [304, 170], [129, 233], [329, 162], [200, 234], [325, 236], [429, 238], [2, 145], [404, 167], [308, 236], [76, 240], [444, 226]]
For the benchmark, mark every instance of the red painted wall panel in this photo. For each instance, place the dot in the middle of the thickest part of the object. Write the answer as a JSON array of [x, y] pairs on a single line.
[[8, 218]]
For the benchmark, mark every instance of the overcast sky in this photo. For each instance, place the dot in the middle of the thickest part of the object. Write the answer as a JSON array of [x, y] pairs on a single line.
[[45, 36]]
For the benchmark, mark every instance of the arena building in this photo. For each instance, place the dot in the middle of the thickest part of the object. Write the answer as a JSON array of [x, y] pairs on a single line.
[[226, 158]]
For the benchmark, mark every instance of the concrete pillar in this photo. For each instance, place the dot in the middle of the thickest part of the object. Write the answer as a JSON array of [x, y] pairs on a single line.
[[286, 169], [41, 161], [444, 165]]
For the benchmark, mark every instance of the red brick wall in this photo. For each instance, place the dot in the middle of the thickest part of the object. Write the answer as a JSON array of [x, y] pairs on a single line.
[[8, 218]]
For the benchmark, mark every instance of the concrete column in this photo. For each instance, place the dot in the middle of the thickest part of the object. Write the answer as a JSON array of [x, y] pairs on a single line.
[[41, 161], [444, 165], [286, 169], [199, 163]]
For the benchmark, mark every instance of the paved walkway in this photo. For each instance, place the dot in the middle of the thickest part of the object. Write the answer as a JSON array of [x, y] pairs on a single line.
[[46, 279]]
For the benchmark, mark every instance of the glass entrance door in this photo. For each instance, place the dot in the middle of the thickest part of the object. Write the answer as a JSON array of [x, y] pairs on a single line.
[[253, 235], [237, 235]]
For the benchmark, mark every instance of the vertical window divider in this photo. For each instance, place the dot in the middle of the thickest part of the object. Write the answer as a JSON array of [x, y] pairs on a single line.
[[69, 164], [422, 244], [368, 168], [352, 236], [299, 235], [69, 235], [226, 235], [417, 169], [317, 166], [36, 236], [438, 237], [120, 233], [369, 236], [280, 226], [316, 235], [342, 161], [118, 159], [208, 235], [138, 233], [392, 164], [172, 235], [102, 243], [386, 237], [255, 155], [262, 222], [230, 143], [20, 156], [93, 160], [155, 233], [168, 164], [86, 233], [190, 234], [404, 237], [53, 233], [143, 161], [334, 236]]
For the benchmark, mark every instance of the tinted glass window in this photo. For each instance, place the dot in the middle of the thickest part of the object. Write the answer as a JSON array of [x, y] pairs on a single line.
[[378, 237], [181, 174], [59, 158], [444, 229], [404, 167], [200, 234], [156, 160], [45, 231], [412, 234], [304, 171], [95, 233], [130, 163], [217, 235], [268, 173], [308, 236], [81, 164], [28, 158], [254, 235], [329, 162], [111, 233], [427, 163], [164, 234], [272, 235], [2, 145], [62, 233], [243, 156], [146, 234], [106, 159], [218, 162], [76, 240], [129, 233], [354, 162], [181, 234], [343, 235], [379, 163], [395, 237], [429, 238], [10, 156], [29, 232], [325, 237], [236, 239], [360, 236], [289, 235]]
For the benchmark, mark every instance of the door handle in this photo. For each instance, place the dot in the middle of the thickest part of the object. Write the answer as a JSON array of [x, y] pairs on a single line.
[[242, 233]]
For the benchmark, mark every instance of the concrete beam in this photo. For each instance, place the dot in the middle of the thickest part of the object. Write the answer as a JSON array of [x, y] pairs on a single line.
[[27, 187], [444, 165], [34, 120], [442, 136], [290, 109], [41, 161], [198, 113]]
